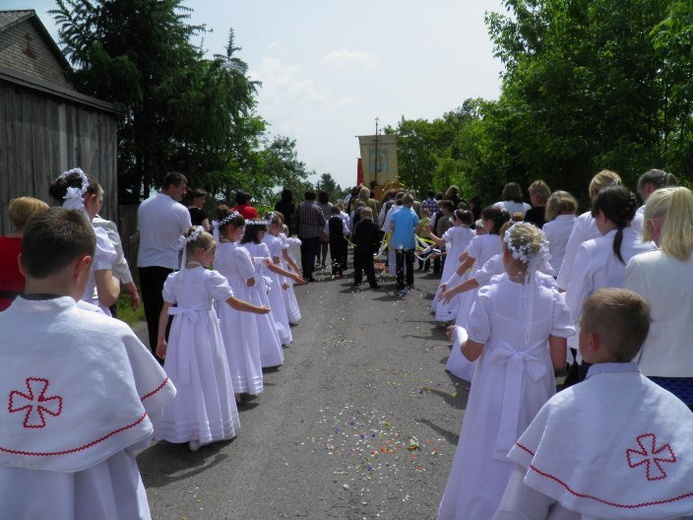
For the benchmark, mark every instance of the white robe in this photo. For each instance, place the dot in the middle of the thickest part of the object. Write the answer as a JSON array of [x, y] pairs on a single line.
[[271, 353], [278, 287], [513, 379], [63, 366], [239, 329], [630, 458]]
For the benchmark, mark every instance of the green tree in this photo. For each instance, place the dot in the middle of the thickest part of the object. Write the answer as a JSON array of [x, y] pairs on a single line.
[[180, 111], [328, 184], [280, 167], [580, 89]]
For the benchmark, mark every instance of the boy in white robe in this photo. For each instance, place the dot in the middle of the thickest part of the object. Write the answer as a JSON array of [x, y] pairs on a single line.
[[81, 391], [631, 440]]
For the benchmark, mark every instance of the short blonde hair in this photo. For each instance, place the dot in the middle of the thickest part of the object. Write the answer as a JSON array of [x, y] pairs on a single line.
[[204, 240], [621, 319], [560, 202], [601, 180], [22, 208], [525, 238]]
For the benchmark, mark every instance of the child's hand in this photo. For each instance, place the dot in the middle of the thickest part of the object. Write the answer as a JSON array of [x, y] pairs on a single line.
[[445, 297], [299, 279], [443, 288], [285, 286], [263, 310], [250, 282], [267, 262], [161, 349]]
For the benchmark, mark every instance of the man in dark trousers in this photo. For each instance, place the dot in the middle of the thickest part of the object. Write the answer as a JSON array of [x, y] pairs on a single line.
[[311, 222], [366, 238]]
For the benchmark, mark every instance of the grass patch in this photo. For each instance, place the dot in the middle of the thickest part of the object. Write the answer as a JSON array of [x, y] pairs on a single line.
[[125, 312]]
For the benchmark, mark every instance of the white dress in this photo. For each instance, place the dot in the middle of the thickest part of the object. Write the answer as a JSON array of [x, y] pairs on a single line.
[[482, 248], [277, 289], [204, 408], [273, 284], [238, 329], [513, 379], [290, 300], [457, 238], [271, 353]]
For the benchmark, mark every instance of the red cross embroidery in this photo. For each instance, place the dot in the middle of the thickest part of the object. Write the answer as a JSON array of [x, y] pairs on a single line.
[[35, 403], [650, 455]]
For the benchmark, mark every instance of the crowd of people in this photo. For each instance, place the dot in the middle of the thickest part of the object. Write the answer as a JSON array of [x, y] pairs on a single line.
[[537, 291], [527, 293], [213, 330]]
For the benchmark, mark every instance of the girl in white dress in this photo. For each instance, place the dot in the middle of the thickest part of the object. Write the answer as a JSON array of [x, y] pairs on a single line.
[[252, 240], [481, 248], [239, 333], [78, 191], [287, 263], [456, 240], [204, 409], [517, 330], [601, 262]]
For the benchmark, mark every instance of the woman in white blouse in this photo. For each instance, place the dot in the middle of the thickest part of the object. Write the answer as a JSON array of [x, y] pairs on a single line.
[[664, 277]]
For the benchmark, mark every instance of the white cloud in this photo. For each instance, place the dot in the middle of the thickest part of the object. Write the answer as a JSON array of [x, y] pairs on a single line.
[[349, 101], [343, 59], [286, 82]]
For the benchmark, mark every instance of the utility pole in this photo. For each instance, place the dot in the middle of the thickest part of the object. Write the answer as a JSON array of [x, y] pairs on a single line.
[[375, 174]]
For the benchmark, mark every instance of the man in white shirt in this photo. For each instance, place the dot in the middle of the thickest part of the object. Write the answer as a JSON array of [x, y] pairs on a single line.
[[161, 219]]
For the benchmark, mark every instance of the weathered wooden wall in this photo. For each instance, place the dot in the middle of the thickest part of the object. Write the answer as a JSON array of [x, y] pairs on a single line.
[[127, 226], [42, 136]]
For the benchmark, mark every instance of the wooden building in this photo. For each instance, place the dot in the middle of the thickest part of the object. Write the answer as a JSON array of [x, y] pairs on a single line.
[[46, 127]]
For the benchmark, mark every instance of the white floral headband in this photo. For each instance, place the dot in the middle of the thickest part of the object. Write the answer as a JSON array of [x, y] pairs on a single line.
[[183, 240], [74, 196], [524, 252], [228, 218]]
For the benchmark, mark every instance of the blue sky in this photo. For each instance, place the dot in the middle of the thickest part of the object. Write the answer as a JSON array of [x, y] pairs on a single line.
[[330, 67]]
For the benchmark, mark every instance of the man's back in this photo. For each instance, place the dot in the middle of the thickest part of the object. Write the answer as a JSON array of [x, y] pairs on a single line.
[[161, 220], [310, 219]]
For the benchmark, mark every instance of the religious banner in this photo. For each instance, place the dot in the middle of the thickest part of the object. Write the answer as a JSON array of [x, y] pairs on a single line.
[[378, 158]]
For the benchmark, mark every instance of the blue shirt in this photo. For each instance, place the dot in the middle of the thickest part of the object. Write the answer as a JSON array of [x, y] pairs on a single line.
[[405, 221]]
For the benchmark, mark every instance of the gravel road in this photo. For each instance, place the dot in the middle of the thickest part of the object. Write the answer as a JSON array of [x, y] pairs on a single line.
[[361, 422]]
